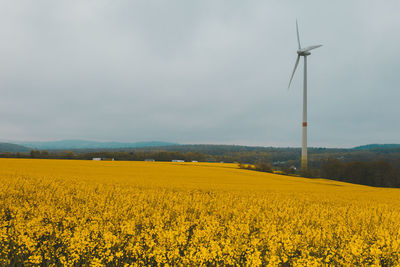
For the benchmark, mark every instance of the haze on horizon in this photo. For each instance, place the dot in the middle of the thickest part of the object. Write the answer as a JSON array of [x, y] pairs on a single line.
[[199, 72]]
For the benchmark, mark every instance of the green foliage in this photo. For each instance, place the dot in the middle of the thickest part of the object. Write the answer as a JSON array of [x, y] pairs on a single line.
[[374, 173], [262, 167]]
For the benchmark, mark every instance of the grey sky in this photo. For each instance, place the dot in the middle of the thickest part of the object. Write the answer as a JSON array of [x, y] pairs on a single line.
[[199, 72]]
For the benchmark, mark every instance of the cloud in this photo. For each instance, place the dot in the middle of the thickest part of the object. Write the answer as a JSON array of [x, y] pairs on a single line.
[[198, 72]]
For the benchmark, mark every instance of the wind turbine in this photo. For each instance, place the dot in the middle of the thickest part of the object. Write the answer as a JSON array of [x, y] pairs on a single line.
[[303, 52]]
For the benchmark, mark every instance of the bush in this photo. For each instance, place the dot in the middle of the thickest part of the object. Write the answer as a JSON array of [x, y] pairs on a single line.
[[261, 167]]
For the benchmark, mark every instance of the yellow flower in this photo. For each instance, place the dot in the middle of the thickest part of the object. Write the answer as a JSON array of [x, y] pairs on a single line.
[[65, 212]]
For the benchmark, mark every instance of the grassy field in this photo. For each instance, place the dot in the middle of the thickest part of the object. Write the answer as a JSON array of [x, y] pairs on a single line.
[[152, 213]]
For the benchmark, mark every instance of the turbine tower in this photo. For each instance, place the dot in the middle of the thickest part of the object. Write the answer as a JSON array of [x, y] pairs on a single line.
[[303, 52]]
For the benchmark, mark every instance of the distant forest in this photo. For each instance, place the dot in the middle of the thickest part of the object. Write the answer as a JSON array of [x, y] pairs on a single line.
[[374, 165]]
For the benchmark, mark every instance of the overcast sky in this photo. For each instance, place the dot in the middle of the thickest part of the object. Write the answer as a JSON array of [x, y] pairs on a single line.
[[199, 71]]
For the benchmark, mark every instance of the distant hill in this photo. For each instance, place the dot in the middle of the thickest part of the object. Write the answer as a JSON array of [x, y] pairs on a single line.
[[226, 149], [377, 146], [13, 148], [85, 144]]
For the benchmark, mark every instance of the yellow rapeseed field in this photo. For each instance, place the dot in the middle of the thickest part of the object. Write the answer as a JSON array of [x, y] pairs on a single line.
[[65, 212]]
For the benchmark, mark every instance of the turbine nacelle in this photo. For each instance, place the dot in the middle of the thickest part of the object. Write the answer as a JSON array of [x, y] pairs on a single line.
[[303, 53], [306, 51]]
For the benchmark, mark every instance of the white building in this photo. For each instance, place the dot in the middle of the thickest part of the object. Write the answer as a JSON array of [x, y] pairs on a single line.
[[106, 159]]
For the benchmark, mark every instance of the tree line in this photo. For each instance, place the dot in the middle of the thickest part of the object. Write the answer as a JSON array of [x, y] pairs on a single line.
[[117, 155], [375, 166], [373, 173]]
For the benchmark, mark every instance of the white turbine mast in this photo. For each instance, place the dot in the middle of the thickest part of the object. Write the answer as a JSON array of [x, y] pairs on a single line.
[[303, 52]]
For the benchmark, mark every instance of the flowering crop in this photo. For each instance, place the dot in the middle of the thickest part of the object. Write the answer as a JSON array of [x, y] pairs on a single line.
[[60, 212]]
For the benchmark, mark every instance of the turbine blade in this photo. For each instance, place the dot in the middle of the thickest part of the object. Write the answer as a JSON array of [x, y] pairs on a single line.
[[310, 48], [294, 70], [298, 36]]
